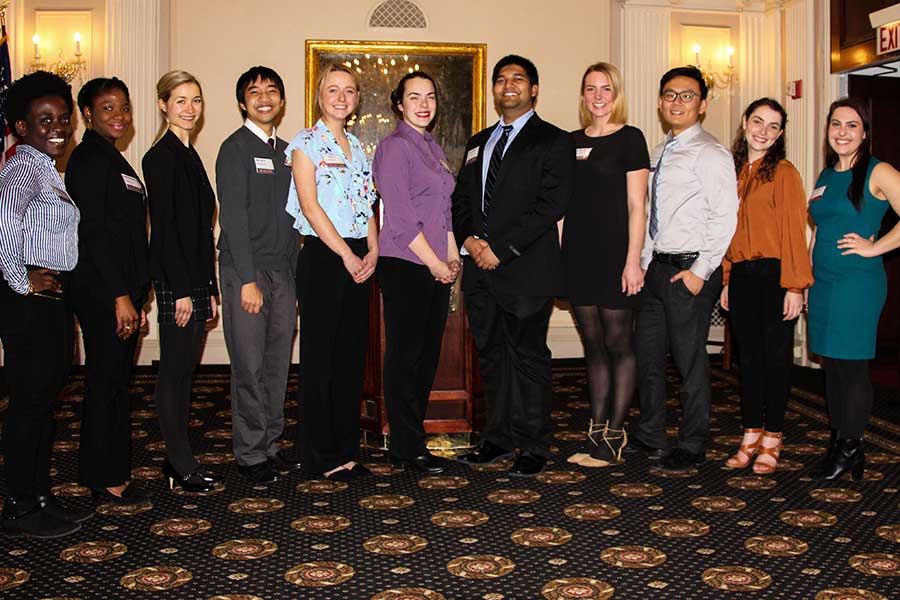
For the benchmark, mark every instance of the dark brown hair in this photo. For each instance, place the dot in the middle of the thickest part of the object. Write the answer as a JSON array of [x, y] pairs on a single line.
[[774, 155], [863, 155]]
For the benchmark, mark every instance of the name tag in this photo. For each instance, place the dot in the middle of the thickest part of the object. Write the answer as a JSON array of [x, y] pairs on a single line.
[[472, 155], [817, 193], [264, 165], [334, 161], [63, 195], [287, 161], [582, 153], [132, 183]]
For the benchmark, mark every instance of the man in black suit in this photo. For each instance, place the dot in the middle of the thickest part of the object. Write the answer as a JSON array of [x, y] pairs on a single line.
[[257, 252], [514, 186]]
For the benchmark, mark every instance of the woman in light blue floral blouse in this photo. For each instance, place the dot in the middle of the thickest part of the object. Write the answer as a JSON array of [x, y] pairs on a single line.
[[331, 201]]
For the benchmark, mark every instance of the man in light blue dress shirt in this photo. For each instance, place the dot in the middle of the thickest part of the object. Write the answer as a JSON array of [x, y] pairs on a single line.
[[692, 217]]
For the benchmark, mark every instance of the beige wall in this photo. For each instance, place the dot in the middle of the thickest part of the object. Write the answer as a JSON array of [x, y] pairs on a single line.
[[216, 40]]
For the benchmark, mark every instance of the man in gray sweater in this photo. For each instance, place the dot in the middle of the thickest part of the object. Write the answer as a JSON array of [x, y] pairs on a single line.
[[257, 258]]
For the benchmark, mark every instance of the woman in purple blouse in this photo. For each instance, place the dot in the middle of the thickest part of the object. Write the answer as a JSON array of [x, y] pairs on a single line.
[[419, 260]]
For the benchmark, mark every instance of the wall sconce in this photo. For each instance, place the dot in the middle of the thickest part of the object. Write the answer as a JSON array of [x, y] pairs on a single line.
[[71, 69], [717, 81]]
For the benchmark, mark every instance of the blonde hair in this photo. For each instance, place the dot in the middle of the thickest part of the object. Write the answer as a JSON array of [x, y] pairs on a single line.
[[166, 85], [619, 114], [320, 84]]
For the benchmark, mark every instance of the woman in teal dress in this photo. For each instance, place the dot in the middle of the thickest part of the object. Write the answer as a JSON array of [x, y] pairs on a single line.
[[849, 201]]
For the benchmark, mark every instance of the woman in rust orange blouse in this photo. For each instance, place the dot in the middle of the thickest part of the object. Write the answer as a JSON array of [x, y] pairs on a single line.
[[766, 269]]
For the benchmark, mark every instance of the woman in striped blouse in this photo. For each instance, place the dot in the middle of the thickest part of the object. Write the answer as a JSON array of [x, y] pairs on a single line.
[[38, 249]]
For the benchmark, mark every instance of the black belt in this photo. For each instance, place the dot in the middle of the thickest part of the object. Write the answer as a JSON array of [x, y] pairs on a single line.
[[682, 260]]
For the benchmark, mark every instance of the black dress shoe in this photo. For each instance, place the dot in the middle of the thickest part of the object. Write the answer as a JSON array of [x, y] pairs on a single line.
[[282, 462], [28, 519], [54, 507], [528, 465], [636, 446], [681, 460], [426, 463], [196, 482], [132, 495], [487, 453], [258, 473]]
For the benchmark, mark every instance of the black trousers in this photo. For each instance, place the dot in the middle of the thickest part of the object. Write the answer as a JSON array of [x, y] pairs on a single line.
[[104, 456], [415, 313], [672, 318], [849, 394], [334, 323], [511, 337], [179, 351], [259, 346], [37, 335], [765, 341]]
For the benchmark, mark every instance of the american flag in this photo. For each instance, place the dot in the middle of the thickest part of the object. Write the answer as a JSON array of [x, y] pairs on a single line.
[[8, 144]]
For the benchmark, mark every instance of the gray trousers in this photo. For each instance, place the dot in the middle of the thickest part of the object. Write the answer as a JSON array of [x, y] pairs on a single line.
[[260, 349]]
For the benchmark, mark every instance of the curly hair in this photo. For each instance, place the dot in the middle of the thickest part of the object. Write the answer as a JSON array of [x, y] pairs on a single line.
[[88, 93], [29, 88], [774, 155]]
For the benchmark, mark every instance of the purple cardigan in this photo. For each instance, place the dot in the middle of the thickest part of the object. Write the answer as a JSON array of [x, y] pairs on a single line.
[[414, 182]]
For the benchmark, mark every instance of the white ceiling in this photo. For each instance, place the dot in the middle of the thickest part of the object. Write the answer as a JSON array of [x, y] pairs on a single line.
[[891, 69]]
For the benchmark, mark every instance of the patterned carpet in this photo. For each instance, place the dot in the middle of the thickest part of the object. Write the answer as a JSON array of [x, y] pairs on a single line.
[[623, 532]]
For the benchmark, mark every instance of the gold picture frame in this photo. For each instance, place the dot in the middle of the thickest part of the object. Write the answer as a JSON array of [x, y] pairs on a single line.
[[459, 70]]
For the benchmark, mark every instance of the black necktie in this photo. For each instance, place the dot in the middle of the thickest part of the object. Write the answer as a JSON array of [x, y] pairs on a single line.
[[271, 143], [491, 179]]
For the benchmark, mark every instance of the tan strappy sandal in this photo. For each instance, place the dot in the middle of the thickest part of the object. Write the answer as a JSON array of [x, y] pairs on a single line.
[[592, 431], [748, 451], [610, 436], [761, 467]]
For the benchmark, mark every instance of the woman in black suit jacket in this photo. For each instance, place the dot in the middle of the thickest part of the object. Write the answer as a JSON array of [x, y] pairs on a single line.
[[182, 206], [109, 287]]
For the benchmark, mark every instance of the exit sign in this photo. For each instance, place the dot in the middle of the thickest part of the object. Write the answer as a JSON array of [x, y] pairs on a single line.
[[888, 38]]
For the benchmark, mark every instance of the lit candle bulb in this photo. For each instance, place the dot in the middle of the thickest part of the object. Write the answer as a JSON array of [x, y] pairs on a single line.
[[730, 53], [36, 40], [77, 37], [696, 50]]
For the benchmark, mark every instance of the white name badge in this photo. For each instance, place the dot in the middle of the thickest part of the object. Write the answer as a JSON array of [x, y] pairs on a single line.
[[472, 155], [333, 160], [287, 161], [132, 183], [264, 165], [582, 153], [817, 193]]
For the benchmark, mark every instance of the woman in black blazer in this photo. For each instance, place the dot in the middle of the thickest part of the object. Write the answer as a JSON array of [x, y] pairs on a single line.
[[182, 206], [109, 287]]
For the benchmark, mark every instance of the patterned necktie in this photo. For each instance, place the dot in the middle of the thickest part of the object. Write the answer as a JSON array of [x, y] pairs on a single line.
[[271, 143], [491, 179], [654, 208]]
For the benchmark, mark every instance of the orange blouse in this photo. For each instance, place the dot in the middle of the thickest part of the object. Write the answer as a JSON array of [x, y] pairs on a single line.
[[772, 224]]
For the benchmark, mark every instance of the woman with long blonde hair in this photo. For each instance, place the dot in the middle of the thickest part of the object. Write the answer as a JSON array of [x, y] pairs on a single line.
[[182, 266]]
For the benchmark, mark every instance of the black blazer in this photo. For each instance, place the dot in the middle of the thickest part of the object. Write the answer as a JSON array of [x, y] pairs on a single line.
[[113, 254], [533, 189], [182, 207]]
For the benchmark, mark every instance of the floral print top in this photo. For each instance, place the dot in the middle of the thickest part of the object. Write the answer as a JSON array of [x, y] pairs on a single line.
[[344, 186]]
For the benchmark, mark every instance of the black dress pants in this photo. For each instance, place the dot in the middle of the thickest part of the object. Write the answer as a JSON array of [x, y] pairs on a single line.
[[765, 341], [415, 313], [511, 338], [37, 335], [104, 458], [672, 318], [334, 323], [179, 351]]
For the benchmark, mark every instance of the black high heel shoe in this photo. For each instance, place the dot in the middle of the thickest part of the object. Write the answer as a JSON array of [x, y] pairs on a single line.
[[848, 456], [822, 468], [195, 482]]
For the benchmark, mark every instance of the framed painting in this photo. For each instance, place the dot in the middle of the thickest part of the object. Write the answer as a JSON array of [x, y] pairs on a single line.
[[459, 70]]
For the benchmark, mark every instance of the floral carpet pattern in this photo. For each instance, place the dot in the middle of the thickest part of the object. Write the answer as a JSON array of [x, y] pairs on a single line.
[[627, 531]]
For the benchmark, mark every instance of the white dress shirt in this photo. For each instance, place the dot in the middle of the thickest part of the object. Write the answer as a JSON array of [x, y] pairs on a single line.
[[697, 199]]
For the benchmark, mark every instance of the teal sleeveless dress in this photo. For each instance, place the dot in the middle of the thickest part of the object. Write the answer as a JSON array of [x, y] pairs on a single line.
[[846, 299]]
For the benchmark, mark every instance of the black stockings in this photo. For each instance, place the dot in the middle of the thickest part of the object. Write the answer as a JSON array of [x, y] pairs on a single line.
[[849, 393], [607, 335]]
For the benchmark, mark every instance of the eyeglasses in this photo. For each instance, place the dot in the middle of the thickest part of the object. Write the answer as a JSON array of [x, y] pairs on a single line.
[[686, 96]]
